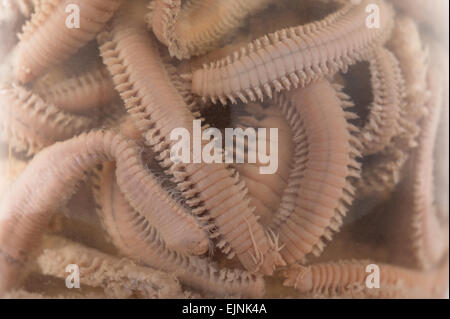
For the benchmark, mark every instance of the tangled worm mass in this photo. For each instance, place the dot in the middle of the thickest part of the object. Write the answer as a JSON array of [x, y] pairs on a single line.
[[358, 93]]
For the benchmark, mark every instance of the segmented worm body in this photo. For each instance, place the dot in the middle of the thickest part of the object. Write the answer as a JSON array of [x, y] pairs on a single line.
[[196, 26], [350, 279], [188, 66], [265, 191], [385, 111], [25, 214], [30, 124], [324, 183], [213, 191], [382, 172], [295, 56], [299, 158], [47, 40], [427, 220], [179, 240], [119, 278], [42, 10], [132, 233], [81, 94], [219, 228], [408, 48], [135, 236]]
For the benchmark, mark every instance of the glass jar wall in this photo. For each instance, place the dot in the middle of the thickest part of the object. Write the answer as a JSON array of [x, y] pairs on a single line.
[[208, 149]]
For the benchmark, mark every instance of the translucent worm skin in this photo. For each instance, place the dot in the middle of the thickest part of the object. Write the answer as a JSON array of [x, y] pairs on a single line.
[[347, 279], [213, 191], [324, 188], [51, 41], [26, 208], [294, 57], [82, 94], [384, 113], [132, 233], [119, 278], [31, 124], [198, 25]]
